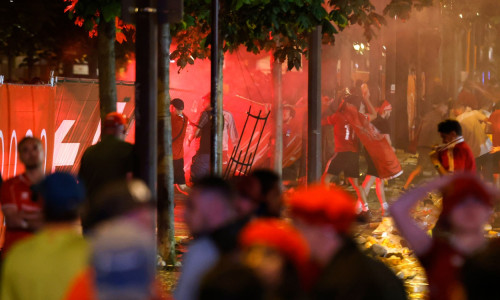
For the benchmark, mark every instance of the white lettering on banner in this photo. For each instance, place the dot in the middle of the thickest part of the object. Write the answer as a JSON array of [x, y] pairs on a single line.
[[29, 133], [64, 153], [43, 137], [3, 151], [97, 134], [120, 107], [13, 137]]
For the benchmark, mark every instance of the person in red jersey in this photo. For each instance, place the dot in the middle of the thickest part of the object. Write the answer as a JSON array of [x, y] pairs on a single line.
[[22, 207], [179, 125], [346, 157], [454, 155], [458, 234]]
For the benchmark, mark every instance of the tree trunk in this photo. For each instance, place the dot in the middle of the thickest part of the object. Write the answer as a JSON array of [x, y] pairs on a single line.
[[314, 108], [166, 230], [277, 114], [216, 89], [219, 111], [404, 48], [345, 60], [106, 64]]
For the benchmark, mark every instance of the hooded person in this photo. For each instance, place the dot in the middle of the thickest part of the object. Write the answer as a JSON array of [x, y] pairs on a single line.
[[324, 217]]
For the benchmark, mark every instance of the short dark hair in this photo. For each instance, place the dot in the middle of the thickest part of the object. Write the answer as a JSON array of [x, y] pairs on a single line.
[[27, 139], [268, 179], [447, 126], [218, 185]]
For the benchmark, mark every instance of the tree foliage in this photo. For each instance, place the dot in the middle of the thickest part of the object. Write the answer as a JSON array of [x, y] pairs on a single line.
[[89, 13], [280, 26], [37, 29]]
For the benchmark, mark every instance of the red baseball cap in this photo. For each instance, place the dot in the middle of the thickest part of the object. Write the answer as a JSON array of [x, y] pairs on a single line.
[[115, 119]]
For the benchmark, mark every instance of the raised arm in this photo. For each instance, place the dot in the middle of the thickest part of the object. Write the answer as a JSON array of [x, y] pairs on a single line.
[[418, 239]]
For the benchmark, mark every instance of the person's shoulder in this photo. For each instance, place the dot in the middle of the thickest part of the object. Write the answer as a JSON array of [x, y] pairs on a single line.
[[23, 249], [11, 181]]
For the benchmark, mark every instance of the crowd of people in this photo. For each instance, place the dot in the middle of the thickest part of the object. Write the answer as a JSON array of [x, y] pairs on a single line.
[[93, 236]]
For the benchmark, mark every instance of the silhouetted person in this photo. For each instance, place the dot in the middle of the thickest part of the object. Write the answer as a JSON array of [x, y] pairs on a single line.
[[109, 160]]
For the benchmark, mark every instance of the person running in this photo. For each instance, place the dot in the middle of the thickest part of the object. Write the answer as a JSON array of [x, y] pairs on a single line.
[[382, 124], [346, 157], [22, 207]]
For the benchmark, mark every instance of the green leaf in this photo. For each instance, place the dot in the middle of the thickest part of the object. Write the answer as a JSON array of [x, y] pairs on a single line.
[[111, 10]]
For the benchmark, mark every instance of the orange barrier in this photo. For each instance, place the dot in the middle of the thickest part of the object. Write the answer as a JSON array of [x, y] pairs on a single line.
[[64, 117]]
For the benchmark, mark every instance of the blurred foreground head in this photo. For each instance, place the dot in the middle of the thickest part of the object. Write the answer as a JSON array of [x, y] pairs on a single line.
[[62, 196], [277, 252], [324, 216], [467, 205], [270, 202], [119, 199], [210, 205], [123, 243]]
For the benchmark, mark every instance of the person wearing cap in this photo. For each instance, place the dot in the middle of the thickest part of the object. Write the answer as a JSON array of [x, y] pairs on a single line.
[[44, 266], [123, 245], [179, 125], [324, 217], [21, 206], [109, 160], [381, 123], [459, 232]]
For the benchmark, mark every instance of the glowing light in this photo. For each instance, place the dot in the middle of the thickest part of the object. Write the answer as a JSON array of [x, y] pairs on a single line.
[[461, 16], [356, 47], [362, 46], [384, 47], [477, 14]]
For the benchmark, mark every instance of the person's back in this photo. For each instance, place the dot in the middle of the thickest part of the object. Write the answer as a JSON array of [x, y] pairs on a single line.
[[44, 266], [473, 133], [351, 274], [109, 160]]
